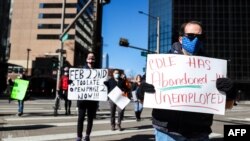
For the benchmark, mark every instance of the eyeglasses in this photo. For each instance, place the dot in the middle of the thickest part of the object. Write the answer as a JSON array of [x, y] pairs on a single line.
[[191, 36]]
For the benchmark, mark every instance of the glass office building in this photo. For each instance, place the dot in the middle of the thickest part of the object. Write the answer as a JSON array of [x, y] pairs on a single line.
[[163, 10], [226, 25]]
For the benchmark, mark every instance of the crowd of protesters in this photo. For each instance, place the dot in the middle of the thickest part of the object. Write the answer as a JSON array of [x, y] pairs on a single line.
[[168, 124]]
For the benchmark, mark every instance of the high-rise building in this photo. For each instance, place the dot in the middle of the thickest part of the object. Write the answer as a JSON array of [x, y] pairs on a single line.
[[36, 25], [225, 24], [105, 61]]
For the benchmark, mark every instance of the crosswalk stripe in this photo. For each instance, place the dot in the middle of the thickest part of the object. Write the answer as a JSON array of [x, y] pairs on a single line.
[[14, 118], [93, 134], [62, 123], [240, 119], [15, 108], [215, 135], [73, 135], [38, 118]]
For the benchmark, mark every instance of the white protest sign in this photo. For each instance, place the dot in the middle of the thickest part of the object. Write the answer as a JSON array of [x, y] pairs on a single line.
[[87, 84], [185, 83], [116, 96]]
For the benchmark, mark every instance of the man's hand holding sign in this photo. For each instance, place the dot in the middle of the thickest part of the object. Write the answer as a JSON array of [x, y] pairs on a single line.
[[185, 83]]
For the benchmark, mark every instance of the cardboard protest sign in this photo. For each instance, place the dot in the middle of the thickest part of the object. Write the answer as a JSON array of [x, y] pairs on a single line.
[[185, 83], [19, 89], [87, 84], [116, 96]]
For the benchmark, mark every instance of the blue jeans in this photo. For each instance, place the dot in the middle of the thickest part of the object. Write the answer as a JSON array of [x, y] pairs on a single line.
[[138, 107], [160, 136], [20, 106]]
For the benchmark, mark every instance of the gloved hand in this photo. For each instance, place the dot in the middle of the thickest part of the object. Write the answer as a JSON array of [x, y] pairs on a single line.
[[226, 85], [70, 81], [146, 87]]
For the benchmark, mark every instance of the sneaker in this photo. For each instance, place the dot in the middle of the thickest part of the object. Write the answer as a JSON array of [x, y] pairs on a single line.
[[86, 138], [19, 114]]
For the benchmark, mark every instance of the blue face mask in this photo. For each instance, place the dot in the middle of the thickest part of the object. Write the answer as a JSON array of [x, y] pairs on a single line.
[[116, 76], [190, 45]]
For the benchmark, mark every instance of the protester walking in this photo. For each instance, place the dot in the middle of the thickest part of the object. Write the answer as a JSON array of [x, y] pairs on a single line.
[[111, 84], [64, 84], [21, 102], [138, 97]]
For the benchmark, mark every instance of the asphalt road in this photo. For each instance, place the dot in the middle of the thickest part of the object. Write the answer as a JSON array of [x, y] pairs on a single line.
[[39, 124]]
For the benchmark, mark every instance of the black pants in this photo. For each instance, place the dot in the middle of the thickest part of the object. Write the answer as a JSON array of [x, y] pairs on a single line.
[[112, 113], [67, 102], [85, 106]]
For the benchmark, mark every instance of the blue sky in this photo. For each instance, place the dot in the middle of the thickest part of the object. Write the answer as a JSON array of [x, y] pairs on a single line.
[[121, 19]]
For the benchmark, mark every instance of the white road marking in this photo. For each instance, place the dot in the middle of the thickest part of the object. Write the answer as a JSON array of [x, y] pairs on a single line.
[[73, 135], [93, 134], [62, 123], [240, 119], [215, 135]]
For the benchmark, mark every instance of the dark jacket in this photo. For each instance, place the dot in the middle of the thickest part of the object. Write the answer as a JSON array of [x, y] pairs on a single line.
[[138, 93], [111, 84], [189, 124]]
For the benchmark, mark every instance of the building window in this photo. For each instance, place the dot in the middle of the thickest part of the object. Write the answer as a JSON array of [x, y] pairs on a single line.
[[54, 16], [51, 26], [56, 5], [51, 37]]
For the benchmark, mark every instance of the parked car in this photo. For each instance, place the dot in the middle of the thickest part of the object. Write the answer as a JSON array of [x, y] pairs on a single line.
[[42, 86]]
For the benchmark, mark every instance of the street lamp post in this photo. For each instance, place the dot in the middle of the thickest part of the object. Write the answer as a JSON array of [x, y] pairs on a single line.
[[158, 30], [28, 55], [60, 62]]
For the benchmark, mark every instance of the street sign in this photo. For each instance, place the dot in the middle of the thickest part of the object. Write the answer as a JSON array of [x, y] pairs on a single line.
[[143, 53], [65, 37]]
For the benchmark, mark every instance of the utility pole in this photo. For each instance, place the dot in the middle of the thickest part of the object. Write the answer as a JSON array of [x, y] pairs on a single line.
[[158, 35], [60, 57], [60, 61], [157, 28], [28, 55]]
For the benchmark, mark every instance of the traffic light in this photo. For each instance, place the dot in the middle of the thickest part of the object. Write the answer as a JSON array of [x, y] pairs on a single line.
[[55, 62], [124, 42]]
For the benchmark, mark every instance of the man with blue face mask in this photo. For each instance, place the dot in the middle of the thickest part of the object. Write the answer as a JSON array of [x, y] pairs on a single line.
[[190, 39], [172, 125], [111, 84]]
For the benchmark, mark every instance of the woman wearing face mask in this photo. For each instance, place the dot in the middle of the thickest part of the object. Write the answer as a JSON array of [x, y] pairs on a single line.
[[111, 84], [138, 97]]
